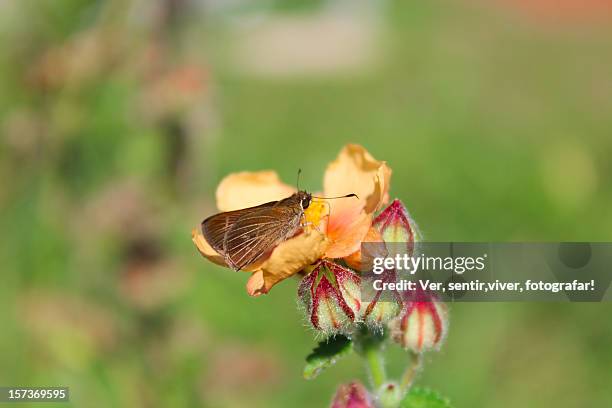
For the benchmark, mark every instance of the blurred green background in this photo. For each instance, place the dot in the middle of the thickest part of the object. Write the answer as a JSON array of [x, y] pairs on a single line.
[[118, 118]]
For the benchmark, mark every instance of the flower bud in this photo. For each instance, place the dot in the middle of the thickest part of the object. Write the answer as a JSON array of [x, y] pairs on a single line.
[[378, 306], [395, 225], [331, 297], [378, 313], [422, 324], [389, 395], [353, 395]]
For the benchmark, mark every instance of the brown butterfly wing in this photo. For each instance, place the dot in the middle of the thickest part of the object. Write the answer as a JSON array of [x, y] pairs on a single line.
[[215, 227], [257, 232]]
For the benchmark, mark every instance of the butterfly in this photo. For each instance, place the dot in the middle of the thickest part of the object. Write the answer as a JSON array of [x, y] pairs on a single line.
[[246, 236]]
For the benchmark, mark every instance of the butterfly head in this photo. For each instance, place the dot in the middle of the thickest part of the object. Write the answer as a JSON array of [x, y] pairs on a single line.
[[304, 199]]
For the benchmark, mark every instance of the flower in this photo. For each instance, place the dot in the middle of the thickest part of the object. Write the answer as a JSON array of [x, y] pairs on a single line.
[[335, 229], [331, 297], [423, 323], [352, 395]]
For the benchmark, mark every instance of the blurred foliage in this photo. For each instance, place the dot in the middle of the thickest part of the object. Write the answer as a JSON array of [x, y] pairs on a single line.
[[118, 118]]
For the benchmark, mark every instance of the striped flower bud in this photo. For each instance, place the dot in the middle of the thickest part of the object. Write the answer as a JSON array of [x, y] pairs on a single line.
[[378, 307], [395, 225], [422, 324], [331, 297]]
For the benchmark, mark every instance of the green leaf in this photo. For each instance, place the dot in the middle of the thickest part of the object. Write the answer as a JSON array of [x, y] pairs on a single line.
[[326, 354], [424, 398]]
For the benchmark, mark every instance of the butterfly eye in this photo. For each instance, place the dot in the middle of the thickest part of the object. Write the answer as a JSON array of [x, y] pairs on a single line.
[[305, 202]]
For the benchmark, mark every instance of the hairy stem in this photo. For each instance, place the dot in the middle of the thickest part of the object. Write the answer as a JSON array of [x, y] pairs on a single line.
[[411, 371], [369, 345], [376, 365]]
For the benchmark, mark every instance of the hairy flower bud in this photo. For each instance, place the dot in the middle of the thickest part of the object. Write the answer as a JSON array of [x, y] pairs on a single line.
[[331, 297], [378, 306], [389, 395], [395, 225], [422, 324], [353, 395], [380, 312]]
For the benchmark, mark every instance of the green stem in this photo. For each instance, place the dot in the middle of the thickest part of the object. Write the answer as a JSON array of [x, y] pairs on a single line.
[[376, 366], [411, 371]]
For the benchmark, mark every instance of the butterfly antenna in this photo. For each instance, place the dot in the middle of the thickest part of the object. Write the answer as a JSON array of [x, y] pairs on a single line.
[[297, 183], [334, 198]]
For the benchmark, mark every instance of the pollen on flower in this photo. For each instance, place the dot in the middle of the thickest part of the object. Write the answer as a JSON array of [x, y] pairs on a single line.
[[316, 215]]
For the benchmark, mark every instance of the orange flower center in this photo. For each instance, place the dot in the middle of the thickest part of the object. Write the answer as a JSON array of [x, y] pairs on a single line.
[[316, 215]]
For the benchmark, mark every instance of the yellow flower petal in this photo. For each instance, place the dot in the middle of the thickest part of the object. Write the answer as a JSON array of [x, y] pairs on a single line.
[[248, 189], [205, 249], [355, 170], [286, 260], [256, 285]]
